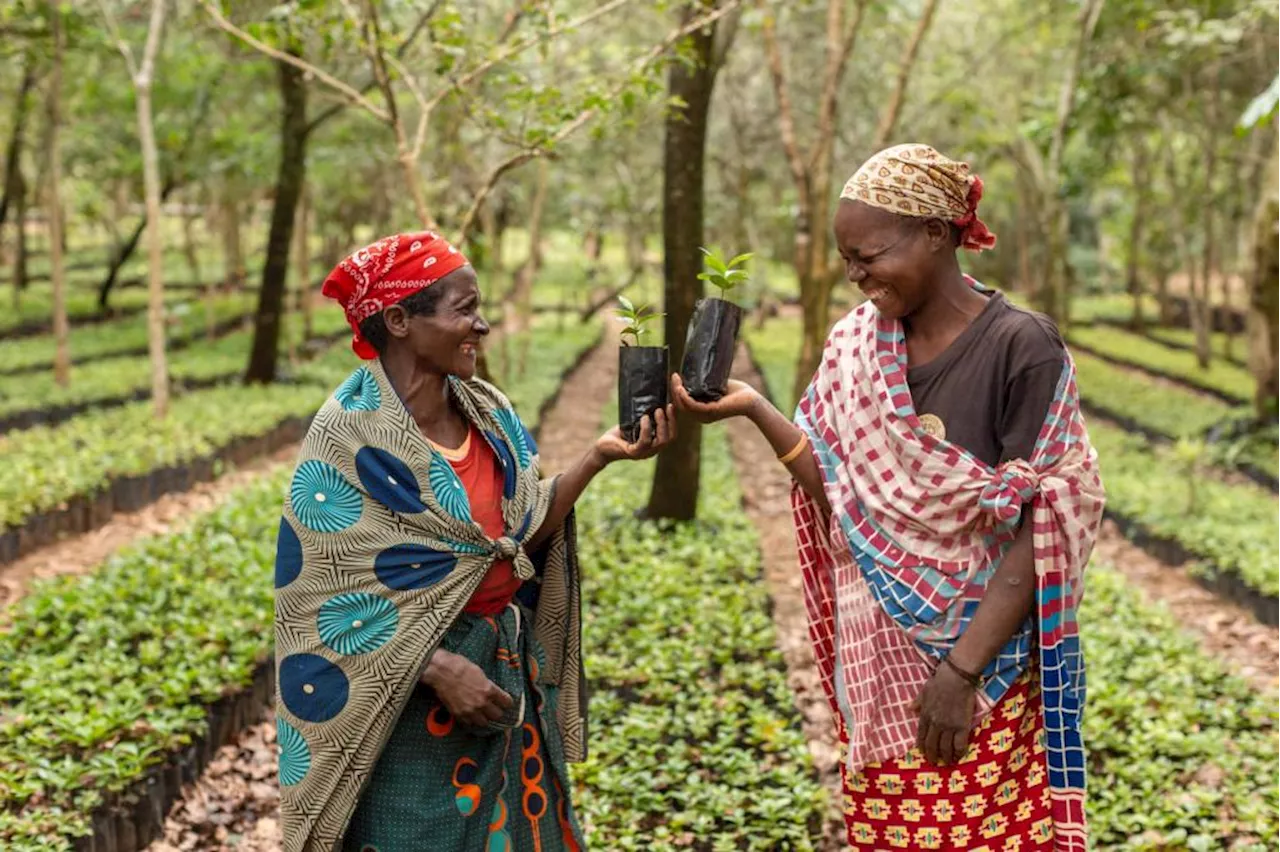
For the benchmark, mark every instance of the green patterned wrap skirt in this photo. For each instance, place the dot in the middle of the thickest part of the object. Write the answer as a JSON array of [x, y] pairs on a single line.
[[442, 786]]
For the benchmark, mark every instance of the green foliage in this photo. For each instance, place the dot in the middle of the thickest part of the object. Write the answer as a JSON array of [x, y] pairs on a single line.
[[1163, 408], [116, 377], [1233, 528], [695, 733], [776, 349], [1181, 754], [636, 318], [46, 466], [725, 276], [1143, 353], [185, 320]]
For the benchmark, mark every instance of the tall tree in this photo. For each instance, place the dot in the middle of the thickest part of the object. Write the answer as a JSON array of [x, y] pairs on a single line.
[[290, 179], [690, 85], [53, 208], [143, 76], [1057, 271], [15, 186], [811, 168]]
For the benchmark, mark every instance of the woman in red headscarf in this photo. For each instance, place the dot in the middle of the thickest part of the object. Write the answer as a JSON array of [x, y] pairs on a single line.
[[427, 609]]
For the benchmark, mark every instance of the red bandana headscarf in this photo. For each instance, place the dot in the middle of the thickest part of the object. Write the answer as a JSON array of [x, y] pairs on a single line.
[[382, 273]]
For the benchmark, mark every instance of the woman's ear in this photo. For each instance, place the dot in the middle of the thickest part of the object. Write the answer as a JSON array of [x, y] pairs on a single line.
[[397, 321], [938, 233]]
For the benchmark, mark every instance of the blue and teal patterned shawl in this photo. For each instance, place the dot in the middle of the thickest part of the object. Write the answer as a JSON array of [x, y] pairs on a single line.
[[377, 556]]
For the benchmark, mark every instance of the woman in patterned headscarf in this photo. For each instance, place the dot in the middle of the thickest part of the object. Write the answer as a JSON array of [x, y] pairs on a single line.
[[427, 607], [946, 502]]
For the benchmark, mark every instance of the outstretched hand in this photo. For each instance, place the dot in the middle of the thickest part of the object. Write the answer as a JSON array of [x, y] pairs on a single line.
[[737, 401], [656, 432]]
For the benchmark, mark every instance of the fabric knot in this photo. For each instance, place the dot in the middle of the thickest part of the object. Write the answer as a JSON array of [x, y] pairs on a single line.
[[1005, 494], [505, 548]]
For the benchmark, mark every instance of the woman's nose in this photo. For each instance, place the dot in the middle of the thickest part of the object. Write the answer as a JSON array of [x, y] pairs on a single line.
[[855, 271], [480, 327]]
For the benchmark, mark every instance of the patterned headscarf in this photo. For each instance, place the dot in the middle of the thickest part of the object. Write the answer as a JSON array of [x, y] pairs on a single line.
[[915, 180], [382, 273]]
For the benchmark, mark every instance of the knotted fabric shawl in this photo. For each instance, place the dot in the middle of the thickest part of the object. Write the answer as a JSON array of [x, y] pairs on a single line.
[[917, 530], [377, 556]]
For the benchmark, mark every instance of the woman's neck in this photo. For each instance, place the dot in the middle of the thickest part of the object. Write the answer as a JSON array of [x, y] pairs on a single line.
[[425, 395], [953, 305]]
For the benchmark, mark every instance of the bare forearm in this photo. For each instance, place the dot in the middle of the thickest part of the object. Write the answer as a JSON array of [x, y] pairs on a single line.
[[569, 488], [783, 436], [1008, 601]]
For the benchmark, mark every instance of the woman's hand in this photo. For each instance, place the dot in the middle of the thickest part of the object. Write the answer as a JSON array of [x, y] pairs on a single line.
[[655, 433], [466, 693], [946, 706], [739, 401]]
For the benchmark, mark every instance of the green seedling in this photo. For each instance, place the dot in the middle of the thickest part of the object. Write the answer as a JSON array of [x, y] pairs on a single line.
[[636, 318], [725, 276]]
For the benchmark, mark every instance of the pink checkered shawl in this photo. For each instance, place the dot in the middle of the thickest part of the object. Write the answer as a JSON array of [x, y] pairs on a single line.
[[918, 527]]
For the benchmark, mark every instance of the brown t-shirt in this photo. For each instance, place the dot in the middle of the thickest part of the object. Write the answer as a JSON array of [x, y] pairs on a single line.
[[992, 387]]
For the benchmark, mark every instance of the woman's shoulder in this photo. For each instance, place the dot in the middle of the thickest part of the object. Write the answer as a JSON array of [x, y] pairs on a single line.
[[1030, 337]]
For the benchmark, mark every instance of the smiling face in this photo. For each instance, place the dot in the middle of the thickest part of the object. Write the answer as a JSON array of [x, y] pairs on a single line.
[[446, 340], [893, 259]]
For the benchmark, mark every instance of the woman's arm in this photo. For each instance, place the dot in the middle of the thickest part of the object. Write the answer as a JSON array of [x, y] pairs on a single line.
[[609, 448], [742, 400], [946, 703]]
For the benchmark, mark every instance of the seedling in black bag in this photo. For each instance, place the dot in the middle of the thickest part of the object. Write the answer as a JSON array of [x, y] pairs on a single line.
[[713, 330], [642, 371]]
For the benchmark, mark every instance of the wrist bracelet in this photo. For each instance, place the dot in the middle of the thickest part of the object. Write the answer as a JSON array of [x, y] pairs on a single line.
[[974, 680], [795, 451]]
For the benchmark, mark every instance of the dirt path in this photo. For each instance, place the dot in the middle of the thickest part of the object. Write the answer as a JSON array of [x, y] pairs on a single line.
[[766, 489], [83, 553], [1226, 631], [235, 804]]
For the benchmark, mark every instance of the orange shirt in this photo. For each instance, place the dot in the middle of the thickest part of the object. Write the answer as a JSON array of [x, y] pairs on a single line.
[[477, 468]]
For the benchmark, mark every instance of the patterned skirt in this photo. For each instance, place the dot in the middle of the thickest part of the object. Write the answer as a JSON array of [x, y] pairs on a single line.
[[996, 799], [442, 787]]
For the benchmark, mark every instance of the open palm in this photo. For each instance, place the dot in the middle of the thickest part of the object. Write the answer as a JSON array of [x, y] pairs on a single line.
[[738, 401]]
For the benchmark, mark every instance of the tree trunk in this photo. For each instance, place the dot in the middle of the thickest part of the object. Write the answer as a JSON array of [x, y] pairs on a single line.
[[232, 251], [128, 248], [1056, 274], [1164, 298], [529, 271], [1133, 272], [889, 120], [1203, 307], [302, 247], [19, 238], [155, 237], [676, 478], [14, 186], [61, 329], [189, 243], [1264, 297], [289, 182]]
